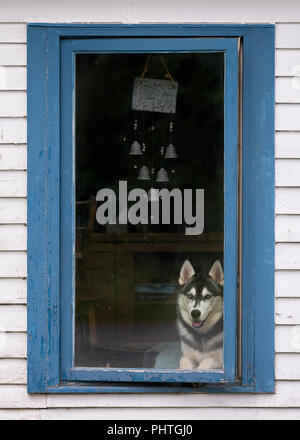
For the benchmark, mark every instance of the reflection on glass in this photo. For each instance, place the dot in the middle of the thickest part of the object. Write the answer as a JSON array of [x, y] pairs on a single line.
[[149, 211]]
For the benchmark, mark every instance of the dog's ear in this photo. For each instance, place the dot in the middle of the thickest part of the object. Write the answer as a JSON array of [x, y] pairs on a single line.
[[186, 273], [216, 273]]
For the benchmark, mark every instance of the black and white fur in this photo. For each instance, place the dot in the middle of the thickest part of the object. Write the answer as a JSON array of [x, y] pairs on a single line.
[[200, 317]]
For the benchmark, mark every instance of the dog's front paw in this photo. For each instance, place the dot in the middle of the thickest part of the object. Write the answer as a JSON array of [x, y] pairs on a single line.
[[186, 364], [209, 363]]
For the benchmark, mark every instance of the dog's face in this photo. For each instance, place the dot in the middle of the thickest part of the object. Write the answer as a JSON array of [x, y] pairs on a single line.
[[200, 297]]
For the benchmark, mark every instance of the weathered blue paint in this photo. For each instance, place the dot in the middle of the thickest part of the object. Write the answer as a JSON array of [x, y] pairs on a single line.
[[43, 212], [45, 257], [129, 388], [38, 277], [258, 205]]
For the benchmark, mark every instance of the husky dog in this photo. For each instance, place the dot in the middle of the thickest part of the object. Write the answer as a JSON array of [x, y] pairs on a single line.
[[200, 317]]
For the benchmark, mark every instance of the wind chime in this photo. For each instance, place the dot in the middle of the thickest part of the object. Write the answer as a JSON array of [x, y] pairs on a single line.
[[155, 96]]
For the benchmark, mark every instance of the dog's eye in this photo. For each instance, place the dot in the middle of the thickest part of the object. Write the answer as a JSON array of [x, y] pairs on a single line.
[[190, 296], [208, 296]]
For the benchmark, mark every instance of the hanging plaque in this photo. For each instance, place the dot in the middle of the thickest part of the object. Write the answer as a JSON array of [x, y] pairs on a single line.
[[154, 95]]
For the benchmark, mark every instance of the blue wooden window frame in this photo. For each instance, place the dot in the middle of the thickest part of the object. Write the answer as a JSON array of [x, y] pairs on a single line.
[[51, 50], [69, 49]]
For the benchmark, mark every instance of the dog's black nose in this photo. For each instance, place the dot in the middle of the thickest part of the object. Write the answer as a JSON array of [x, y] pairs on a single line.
[[195, 314]]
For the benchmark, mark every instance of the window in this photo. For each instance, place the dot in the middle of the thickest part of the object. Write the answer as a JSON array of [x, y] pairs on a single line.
[[150, 217]]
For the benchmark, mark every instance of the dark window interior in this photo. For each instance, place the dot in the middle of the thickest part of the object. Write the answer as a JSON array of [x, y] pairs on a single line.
[[125, 277]]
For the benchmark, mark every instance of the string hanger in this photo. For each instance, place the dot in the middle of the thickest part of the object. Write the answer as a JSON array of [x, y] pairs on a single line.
[[167, 74]]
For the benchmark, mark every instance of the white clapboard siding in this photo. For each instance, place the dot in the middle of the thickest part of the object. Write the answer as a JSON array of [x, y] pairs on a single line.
[[287, 311], [13, 103], [287, 171], [13, 78], [287, 62], [287, 283], [287, 117], [288, 89], [287, 366], [13, 371], [287, 256], [13, 291], [256, 11], [13, 264], [194, 11], [20, 414], [13, 130], [287, 200], [12, 33], [287, 339], [13, 345], [13, 210], [288, 35], [13, 237], [287, 228], [16, 396], [287, 393], [13, 318], [100, 11], [13, 183], [13, 54], [287, 144], [13, 157], [168, 414]]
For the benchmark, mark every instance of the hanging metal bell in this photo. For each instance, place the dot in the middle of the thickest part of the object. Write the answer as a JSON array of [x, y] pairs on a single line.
[[135, 149], [162, 176], [171, 152], [144, 173]]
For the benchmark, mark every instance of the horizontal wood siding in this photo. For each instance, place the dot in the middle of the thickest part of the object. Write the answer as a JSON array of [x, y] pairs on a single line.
[[15, 402]]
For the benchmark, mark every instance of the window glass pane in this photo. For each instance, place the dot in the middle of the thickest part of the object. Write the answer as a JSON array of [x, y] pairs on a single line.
[[149, 210]]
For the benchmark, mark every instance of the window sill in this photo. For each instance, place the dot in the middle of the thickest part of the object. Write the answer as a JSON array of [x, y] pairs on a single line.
[[128, 388]]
